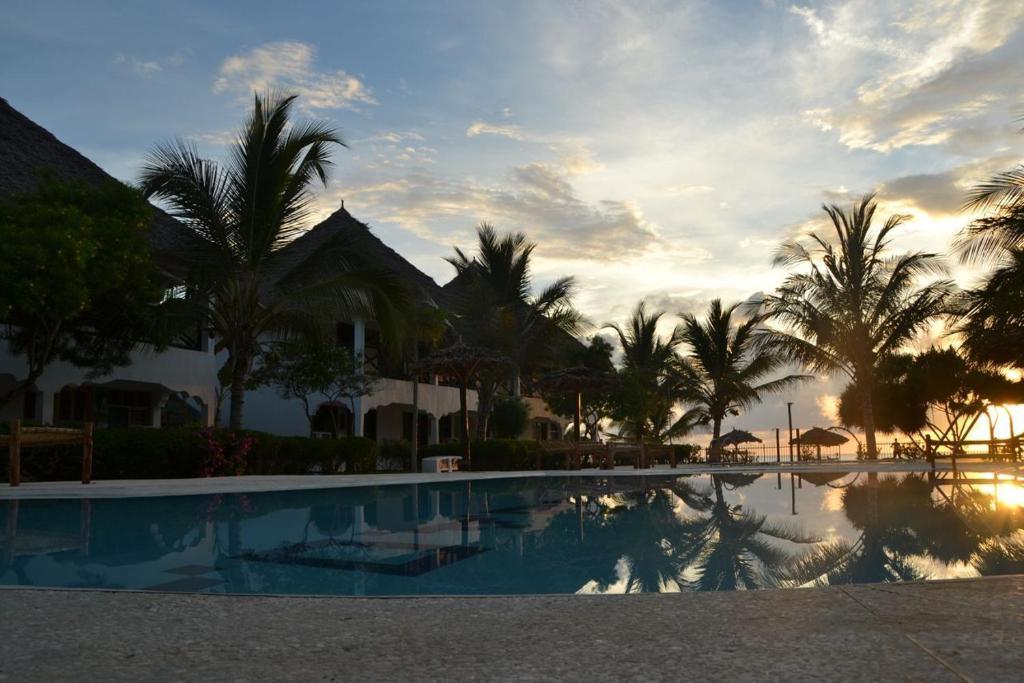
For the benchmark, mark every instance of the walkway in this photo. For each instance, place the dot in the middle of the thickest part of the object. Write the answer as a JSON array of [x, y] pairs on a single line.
[[130, 488], [937, 631]]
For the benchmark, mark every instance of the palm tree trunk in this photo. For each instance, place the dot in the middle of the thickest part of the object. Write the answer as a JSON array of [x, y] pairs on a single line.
[[414, 446], [868, 409], [715, 452], [465, 423], [485, 401], [238, 376]]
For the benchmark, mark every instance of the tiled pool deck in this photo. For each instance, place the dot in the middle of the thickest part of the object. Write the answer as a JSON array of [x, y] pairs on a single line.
[[127, 488], [967, 630]]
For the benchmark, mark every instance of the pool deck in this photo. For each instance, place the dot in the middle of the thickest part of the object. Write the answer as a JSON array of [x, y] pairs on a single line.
[[965, 630], [132, 488]]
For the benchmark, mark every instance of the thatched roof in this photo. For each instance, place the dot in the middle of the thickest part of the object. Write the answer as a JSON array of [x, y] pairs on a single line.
[[462, 361], [820, 437], [353, 239], [29, 151], [737, 436], [576, 378], [821, 478]]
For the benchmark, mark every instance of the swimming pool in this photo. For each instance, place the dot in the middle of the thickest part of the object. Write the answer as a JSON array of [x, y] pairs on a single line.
[[581, 534]]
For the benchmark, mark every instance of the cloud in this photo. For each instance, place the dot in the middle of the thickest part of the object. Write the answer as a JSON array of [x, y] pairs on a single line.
[[828, 404], [509, 131], [142, 68], [537, 197], [680, 190], [289, 66], [937, 68]]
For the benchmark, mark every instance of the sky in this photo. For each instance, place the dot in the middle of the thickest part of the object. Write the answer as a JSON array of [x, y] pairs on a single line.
[[654, 150]]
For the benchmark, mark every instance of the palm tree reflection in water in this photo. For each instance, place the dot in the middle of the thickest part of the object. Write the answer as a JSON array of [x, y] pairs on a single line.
[[904, 522], [678, 536]]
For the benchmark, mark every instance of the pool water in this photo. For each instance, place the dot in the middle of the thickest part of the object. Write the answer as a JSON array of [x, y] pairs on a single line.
[[587, 534]]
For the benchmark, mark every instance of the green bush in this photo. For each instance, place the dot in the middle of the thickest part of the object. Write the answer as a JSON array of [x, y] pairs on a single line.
[[181, 452], [686, 452], [395, 451], [301, 455], [509, 417], [495, 454]]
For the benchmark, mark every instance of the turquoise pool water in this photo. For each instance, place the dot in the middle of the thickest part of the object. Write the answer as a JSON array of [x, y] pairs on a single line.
[[587, 534]]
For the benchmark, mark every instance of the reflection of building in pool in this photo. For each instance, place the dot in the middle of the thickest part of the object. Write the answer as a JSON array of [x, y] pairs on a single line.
[[180, 384]]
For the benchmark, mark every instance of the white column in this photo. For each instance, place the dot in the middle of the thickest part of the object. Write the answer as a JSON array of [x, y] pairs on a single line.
[[46, 406], [433, 431]]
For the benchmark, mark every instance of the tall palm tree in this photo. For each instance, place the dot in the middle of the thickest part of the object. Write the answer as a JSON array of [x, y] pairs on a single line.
[[497, 308], [648, 379], [991, 316], [725, 370], [730, 548], [242, 214], [850, 302]]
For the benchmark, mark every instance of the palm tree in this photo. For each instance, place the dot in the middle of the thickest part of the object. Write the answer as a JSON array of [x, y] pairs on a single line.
[[730, 548], [497, 308], [242, 214], [649, 378], [725, 368], [992, 315], [850, 303]]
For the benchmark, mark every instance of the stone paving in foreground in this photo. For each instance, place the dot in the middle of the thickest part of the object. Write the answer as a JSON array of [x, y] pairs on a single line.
[[937, 631]]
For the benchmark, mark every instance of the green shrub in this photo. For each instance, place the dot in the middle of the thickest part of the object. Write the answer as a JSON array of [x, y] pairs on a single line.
[[181, 452], [495, 454], [397, 451], [509, 417], [686, 452], [301, 455]]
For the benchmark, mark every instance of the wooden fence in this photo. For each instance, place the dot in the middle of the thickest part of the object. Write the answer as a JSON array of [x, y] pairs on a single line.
[[27, 437]]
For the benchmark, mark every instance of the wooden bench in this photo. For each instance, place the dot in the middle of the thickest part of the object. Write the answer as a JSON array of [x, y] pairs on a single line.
[[26, 437]]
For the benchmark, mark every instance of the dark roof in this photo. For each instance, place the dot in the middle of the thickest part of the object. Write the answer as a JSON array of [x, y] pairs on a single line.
[[342, 230], [28, 151]]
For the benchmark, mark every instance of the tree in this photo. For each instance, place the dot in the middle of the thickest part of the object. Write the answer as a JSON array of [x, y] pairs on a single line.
[[509, 417], [850, 303], [497, 309], [429, 324], [76, 280], [647, 383], [938, 391], [725, 370], [991, 316], [597, 402], [243, 214], [306, 369]]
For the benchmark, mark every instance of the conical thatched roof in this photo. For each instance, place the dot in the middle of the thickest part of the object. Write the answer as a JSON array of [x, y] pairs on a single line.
[[737, 436], [28, 152], [576, 378], [462, 361], [820, 437], [821, 478], [340, 236]]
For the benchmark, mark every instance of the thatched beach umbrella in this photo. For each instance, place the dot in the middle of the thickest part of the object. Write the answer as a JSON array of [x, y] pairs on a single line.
[[577, 379], [734, 438], [464, 363], [820, 437], [821, 478]]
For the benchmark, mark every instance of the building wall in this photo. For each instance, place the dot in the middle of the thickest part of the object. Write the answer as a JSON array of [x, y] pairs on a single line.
[[266, 411], [539, 412], [174, 370]]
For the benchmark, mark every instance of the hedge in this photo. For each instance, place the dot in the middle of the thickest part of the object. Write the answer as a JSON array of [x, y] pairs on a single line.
[[146, 453], [498, 454]]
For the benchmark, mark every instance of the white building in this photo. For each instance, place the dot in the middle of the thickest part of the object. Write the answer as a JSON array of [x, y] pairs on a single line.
[[180, 384]]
